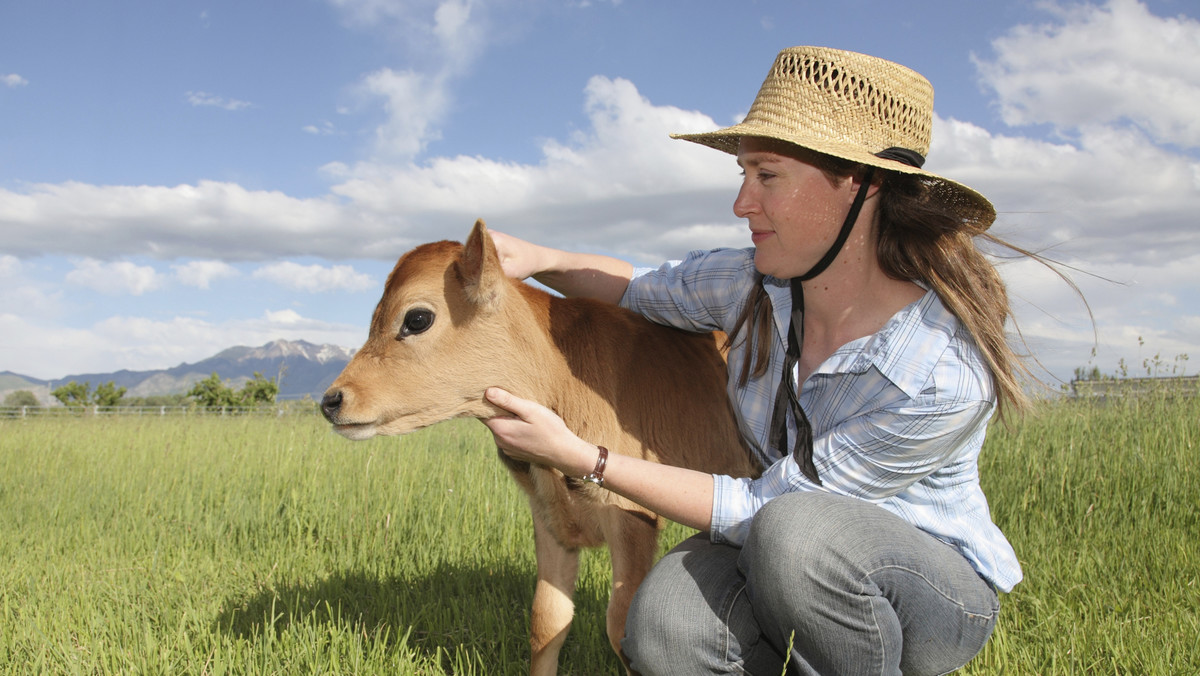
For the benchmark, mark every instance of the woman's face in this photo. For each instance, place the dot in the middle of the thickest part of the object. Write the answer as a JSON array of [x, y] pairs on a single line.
[[794, 209]]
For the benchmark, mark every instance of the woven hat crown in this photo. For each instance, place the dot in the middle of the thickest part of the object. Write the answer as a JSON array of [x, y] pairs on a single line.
[[851, 106]]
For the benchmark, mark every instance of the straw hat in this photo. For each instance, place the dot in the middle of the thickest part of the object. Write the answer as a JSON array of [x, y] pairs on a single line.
[[856, 107]]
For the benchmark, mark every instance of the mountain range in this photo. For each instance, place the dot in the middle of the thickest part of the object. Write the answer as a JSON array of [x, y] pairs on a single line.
[[302, 368]]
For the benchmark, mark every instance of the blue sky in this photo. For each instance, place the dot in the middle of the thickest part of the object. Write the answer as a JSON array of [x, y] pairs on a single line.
[[181, 177]]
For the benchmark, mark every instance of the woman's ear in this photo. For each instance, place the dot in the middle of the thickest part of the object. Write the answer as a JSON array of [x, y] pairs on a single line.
[[856, 180]]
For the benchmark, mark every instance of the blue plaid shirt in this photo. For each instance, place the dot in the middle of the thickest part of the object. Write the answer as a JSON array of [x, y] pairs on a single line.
[[898, 417]]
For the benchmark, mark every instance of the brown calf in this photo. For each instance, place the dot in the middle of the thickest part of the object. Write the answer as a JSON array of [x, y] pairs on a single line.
[[450, 324]]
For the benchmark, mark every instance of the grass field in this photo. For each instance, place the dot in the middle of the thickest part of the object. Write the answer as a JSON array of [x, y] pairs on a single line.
[[261, 545]]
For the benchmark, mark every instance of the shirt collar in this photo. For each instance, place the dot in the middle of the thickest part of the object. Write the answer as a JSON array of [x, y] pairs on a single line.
[[905, 350], [910, 345]]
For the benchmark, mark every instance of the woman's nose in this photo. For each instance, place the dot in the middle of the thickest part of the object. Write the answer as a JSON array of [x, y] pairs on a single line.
[[743, 206]]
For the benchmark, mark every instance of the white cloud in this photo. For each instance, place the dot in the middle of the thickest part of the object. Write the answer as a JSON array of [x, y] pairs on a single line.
[[1099, 65], [9, 266], [207, 220], [443, 38], [1113, 195], [370, 12], [115, 278], [283, 317], [1114, 199], [21, 293], [315, 278], [325, 128], [1109, 191], [13, 80], [448, 33], [204, 99], [195, 339], [620, 184], [460, 31], [451, 20], [1116, 209], [139, 343], [201, 274], [413, 104]]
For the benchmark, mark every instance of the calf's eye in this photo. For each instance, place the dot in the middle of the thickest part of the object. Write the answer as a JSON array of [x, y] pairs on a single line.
[[416, 321]]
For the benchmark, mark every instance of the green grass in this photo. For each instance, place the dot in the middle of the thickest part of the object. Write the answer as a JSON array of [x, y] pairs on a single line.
[[264, 545], [1102, 503]]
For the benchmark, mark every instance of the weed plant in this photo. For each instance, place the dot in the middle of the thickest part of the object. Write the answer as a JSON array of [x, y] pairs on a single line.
[[264, 545]]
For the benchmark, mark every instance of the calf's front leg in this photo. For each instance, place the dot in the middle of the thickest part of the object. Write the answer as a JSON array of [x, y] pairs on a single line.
[[553, 607]]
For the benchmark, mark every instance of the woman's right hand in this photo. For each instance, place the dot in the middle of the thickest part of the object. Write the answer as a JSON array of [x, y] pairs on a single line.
[[570, 273], [519, 258]]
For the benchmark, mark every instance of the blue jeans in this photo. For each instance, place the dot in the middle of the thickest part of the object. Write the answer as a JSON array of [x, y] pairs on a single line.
[[826, 584]]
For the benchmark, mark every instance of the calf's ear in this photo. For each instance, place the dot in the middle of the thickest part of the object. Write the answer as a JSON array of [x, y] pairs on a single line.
[[478, 268]]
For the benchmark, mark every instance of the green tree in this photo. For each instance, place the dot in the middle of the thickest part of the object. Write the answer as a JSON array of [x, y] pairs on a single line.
[[73, 394], [108, 394], [21, 398], [259, 391], [77, 395], [212, 393]]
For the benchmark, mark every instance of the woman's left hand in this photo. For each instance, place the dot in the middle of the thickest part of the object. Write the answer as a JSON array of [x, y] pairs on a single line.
[[536, 434]]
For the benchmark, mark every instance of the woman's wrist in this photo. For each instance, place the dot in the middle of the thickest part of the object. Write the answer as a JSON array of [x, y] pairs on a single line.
[[583, 460], [596, 476]]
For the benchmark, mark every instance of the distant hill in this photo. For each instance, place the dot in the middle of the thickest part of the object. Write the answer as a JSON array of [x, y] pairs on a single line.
[[301, 367]]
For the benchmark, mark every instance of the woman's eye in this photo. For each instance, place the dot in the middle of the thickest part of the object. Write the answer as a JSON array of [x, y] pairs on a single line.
[[416, 321]]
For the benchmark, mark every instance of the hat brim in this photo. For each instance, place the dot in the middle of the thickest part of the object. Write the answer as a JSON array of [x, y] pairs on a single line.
[[975, 209]]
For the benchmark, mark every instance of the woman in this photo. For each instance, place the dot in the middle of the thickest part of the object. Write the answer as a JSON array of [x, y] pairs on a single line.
[[867, 355]]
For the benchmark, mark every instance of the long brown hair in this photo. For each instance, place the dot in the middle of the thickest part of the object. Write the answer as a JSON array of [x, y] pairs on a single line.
[[922, 240]]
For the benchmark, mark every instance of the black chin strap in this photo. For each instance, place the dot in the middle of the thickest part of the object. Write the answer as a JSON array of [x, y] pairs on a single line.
[[896, 154], [847, 226], [787, 397]]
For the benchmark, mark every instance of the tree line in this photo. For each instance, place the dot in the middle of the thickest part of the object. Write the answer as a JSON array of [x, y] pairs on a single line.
[[211, 392]]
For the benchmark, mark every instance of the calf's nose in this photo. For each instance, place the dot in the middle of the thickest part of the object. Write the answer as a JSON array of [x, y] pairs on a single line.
[[331, 403]]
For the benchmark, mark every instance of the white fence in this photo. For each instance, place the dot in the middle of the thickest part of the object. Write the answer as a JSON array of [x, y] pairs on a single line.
[[1180, 386], [9, 412]]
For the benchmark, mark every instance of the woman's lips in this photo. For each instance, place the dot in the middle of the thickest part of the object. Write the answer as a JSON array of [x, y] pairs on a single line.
[[758, 236]]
